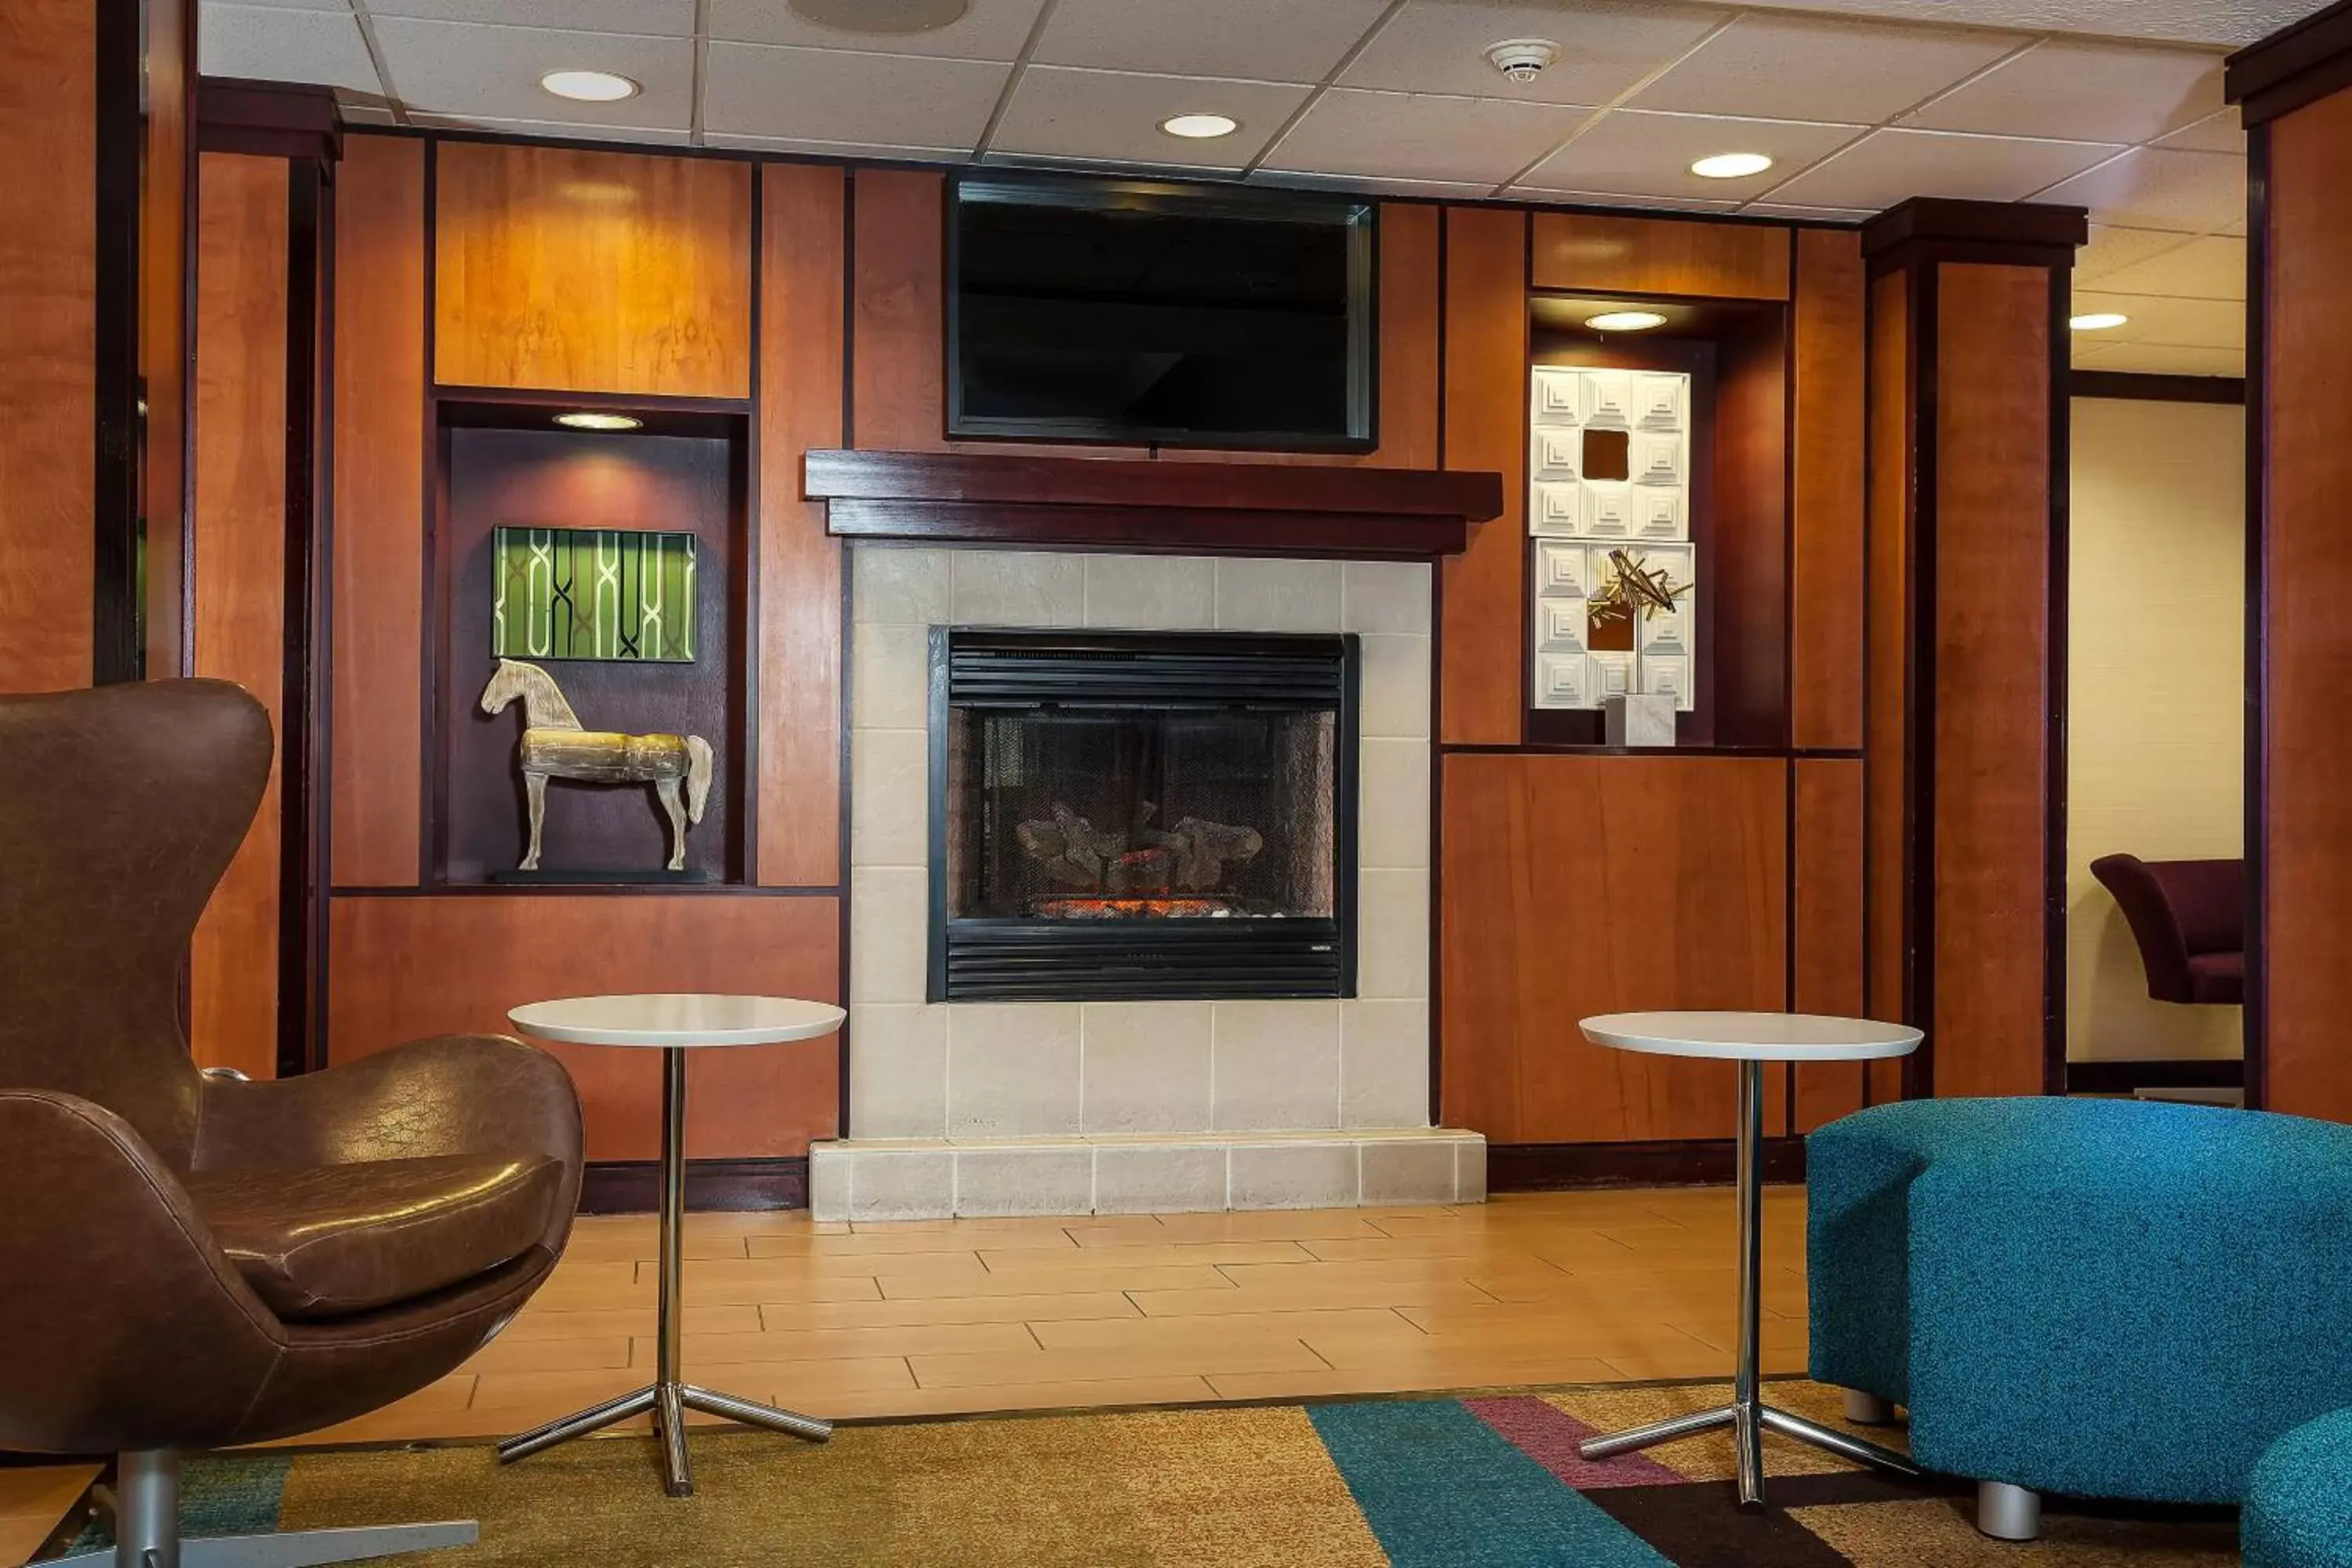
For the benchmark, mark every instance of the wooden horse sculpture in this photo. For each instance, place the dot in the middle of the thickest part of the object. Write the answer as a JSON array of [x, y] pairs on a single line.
[[555, 745]]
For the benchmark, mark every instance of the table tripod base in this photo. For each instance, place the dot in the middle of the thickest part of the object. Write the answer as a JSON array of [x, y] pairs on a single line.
[[1749, 1425], [669, 1402]]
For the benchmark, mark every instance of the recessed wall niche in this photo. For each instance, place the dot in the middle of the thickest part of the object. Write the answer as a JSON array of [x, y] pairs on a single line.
[[505, 465], [1669, 445]]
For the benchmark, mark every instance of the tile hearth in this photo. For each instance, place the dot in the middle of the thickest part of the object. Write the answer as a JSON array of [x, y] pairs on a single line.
[[1063, 1107]]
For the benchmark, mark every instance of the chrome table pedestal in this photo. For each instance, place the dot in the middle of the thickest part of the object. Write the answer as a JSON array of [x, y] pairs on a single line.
[[668, 1396], [1748, 1416]]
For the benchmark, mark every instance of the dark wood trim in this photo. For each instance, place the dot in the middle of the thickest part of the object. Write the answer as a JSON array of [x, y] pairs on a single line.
[[1918, 1070], [2256, 1029], [120, 137], [2054, 701], [1033, 480], [270, 119], [2294, 66], [432, 789], [731, 1186], [586, 890], [2134, 385], [1662, 1162], [1940, 229], [1352, 536], [2123, 1077], [1846, 753], [299, 845]]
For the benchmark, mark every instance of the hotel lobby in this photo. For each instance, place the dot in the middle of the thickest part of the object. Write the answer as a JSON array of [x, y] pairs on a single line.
[[1501, 782]]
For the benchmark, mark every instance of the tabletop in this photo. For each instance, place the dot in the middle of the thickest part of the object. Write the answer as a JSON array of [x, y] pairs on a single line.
[[676, 1019], [1753, 1036]]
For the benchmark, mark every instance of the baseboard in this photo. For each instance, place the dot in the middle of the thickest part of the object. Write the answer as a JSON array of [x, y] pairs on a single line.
[[2125, 1075], [633, 1186], [1665, 1162]]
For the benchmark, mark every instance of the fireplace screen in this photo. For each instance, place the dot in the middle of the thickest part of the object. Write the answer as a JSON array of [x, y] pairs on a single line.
[[1142, 815]]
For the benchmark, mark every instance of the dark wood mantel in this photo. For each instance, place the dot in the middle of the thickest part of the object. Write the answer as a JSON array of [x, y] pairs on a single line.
[[1045, 503]]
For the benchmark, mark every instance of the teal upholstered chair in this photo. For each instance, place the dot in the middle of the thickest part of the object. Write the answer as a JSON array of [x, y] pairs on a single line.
[[2298, 1511], [2095, 1298]]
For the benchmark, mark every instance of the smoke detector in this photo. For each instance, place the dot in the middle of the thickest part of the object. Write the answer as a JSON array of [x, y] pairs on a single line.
[[882, 15], [1522, 60]]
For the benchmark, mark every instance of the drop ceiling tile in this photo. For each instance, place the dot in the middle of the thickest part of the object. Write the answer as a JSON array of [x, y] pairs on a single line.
[[2169, 359], [1629, 153], [1611, 199], [991, 30], [2215, 133], [2081, 91], [267, 44], [2212, 267], [2111, 249], [570, 130], [815, 148], [1422, 136], [2183, 21], [1114, 116], [1370, 184], [661, 18], [2150, 187], [1812, 67], [2189, 323], [827, 95], [1889, 166], [1810, 215], [1439, 46], [1294, 42], [208, 7], [476, 72]]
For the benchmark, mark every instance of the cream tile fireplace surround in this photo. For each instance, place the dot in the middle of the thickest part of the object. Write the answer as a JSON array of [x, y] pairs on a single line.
[[992, 1108]]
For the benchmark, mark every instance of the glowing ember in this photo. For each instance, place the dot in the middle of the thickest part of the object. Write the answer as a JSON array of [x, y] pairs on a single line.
[[1132, 908]]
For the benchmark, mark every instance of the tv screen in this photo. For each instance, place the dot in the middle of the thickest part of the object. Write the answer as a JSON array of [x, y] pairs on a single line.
[[1161, 315]]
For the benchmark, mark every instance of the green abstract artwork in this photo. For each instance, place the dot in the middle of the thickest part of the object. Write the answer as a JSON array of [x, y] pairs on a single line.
[[581, 593]]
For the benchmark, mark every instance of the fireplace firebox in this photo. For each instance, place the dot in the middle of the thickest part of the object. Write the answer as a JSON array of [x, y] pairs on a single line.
[[1142, 815]]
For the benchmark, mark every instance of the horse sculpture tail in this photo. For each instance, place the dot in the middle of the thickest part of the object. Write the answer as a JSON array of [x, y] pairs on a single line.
[[697, 776]]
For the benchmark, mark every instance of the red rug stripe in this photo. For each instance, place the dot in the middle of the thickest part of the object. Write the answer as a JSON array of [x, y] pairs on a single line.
[[1547, 1436]]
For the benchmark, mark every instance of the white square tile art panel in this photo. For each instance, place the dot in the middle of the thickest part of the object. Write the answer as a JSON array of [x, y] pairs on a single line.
[[1608, 469]]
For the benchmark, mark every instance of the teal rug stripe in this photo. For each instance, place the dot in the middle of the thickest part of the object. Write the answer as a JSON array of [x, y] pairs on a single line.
[[217, 1497], [1441, 1488]]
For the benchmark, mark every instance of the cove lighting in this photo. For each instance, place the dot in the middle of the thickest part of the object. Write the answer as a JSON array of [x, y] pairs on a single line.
[[584, 419], [1624, 320], [2098, 321], [1200, 127], [1731, 165], [590, 87]]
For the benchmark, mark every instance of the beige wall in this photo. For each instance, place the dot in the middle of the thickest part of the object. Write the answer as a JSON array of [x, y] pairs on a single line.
[[2155, 709]]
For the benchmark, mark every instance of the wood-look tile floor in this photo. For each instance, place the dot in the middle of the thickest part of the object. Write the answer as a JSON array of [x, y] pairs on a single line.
[[958, 1316]]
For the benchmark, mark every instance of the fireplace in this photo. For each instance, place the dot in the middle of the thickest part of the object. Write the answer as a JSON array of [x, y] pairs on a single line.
[[1138, 816]]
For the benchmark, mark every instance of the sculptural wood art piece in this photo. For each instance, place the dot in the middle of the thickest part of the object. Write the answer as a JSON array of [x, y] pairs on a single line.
[[556, 745]]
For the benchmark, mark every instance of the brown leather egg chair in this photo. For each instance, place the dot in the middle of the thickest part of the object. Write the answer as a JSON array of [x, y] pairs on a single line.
[[191, 1260]]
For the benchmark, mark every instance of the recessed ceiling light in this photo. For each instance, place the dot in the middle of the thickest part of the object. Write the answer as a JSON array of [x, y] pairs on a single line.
[[586, 419], [2098, 321], [590, 87], [1624, 320], [882, 15], [1200, 127], [1731, 165]]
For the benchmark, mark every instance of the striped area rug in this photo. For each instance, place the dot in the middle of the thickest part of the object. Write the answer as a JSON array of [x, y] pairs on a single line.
[[1488, 1481]]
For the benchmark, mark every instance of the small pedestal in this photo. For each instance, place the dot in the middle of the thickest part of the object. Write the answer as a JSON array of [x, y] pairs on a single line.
[[1638, 721]]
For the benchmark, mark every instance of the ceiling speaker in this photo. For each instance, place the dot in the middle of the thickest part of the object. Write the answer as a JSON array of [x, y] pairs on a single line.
[[882, 15]]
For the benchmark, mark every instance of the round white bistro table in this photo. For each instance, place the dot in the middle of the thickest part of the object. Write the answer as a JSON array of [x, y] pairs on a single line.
[[672, 1025], [1751, 1040]]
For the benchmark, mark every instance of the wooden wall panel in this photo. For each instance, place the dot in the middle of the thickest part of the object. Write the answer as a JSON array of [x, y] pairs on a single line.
[[165, 337], [1887, 627], [1411, 271], [377, 531], [1744, 578], [1991, 641], [589, 271], [404, 967], [1825, 650], [897, 393], [1583, 884], [797, 728], [1482, 645], [48, 410], [1661, 256], [2305, 756], [1828, 924], [238, 630]]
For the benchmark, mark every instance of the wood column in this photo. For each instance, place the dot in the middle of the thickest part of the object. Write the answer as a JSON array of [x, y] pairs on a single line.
[[93, 234], [1964, 721], [2294, 92]]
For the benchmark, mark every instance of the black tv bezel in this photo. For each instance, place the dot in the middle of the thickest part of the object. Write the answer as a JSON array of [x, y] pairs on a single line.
[[1360, 218]]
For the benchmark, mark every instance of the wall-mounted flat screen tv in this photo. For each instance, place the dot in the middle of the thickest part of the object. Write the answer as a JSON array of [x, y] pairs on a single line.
[[1114, 311]]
